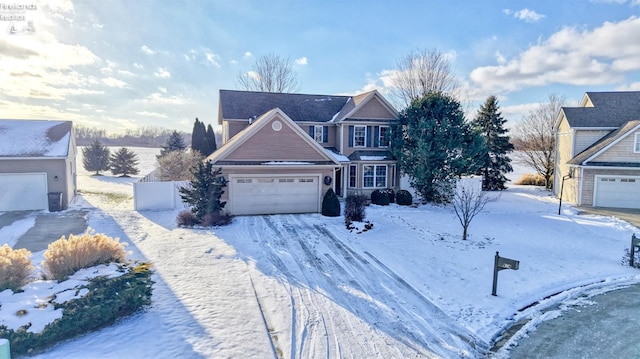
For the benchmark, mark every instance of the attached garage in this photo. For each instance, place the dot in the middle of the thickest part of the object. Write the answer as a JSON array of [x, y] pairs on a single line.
[[23, 191], [617, 191], [259, 194]]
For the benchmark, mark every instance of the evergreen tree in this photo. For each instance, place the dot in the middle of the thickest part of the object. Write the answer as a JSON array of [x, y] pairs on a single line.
[[330, 204], [211, 140], [495, 163], [175, 142], [95, 157], [434, 145], [204, 190], [198, 136], [124, 162]]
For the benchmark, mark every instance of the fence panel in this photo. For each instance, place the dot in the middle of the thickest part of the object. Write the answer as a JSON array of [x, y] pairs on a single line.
[[158, 195]]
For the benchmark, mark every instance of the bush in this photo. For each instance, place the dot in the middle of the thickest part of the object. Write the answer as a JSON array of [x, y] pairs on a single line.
[[390, 193], [404, 198], [186, 218], [531, 180], [330, 204], [15, 268], [380, 197], [108, 299], [354, 208], [216, 219], [66, 256]]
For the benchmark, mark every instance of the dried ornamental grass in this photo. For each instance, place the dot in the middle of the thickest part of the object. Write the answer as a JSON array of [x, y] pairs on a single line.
[[66, 256], [15, 268], [529, 179]]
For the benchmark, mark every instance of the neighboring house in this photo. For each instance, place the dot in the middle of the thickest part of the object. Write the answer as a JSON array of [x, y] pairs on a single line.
[[598, 151], [37, 165], [282, 151]]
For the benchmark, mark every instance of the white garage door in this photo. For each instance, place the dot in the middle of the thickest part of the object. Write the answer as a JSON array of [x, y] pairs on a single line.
[[23, 191], [614, 191], [270, 195]]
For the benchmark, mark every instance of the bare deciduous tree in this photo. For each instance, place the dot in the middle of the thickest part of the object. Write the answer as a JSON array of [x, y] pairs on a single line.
[[421, 72], [177, 165], [467, 203], [534, 139], [269, 73]]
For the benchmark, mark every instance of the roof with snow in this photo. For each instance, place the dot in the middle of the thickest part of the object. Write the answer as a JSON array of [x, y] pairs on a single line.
[[34, 138]]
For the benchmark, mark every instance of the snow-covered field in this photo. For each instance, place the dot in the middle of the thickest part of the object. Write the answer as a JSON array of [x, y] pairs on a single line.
[[302, 286]]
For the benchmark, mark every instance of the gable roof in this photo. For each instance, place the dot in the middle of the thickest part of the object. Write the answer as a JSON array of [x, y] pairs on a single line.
[[359, 101], [604, 143], [610, 110], [298, 107], [260, 123], [34, 138]]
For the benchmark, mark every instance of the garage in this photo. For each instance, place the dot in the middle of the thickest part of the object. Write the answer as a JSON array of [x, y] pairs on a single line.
[[23, 191], [259, 194], [617, 191]]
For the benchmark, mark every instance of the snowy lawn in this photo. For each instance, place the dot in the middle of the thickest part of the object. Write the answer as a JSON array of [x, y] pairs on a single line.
[[303, 286]]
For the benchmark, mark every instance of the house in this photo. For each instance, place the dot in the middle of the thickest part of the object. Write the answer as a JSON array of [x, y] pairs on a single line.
[[281, 152], [37, 165], [598, 151]]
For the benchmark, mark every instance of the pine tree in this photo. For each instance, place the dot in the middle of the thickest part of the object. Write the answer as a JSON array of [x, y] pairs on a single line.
[[95, 157], [198, 136], [204, 190], [211, 140], [434, 145], [175, 142], [124, 162], [495, 163]]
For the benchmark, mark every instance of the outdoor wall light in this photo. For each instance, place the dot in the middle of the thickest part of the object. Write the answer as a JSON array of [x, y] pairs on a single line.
[[55, 178]]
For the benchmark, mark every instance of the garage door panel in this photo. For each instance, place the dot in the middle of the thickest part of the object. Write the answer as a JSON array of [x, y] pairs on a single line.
[[267, 195], [616, 191], [23, 191]]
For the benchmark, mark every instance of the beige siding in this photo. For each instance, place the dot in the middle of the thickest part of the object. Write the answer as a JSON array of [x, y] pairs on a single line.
[[233, 127], [332, 141], [53, 167], [360, 180], [584, 139], [348, 150], [269, 145], [588, 179], [620, 152], [373, 109]]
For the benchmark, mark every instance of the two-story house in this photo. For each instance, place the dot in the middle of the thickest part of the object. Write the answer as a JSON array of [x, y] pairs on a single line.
[[281, 152], [598, 151]]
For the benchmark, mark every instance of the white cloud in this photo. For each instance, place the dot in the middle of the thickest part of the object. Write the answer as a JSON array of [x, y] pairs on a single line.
[[254, 75], [162, 89], [233, 62], [301, 61], [213, 59], [248, 54], [500, 58], [147, 50], [151, 114], [113, 82], [635, 86], [525, 14], [158, 98], [600, 56], [162, 72], [138, 66]]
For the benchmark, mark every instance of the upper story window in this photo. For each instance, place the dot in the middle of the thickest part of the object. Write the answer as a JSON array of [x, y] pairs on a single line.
[[636, 146], [384, 136], [319, 133], [359, 136]]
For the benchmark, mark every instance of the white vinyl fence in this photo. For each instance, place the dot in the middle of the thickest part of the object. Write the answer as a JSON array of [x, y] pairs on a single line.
[[158, 195]]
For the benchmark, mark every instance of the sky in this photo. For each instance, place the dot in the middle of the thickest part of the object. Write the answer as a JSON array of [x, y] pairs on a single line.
[[121, 65]]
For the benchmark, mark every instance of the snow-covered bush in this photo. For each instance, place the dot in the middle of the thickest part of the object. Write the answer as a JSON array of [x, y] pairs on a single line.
[[186, 218], [66, 256], [15, 268], [380, 197], [404, 198]]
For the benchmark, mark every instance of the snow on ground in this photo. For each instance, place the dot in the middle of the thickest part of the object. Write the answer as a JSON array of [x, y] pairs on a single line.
[[303, 286]]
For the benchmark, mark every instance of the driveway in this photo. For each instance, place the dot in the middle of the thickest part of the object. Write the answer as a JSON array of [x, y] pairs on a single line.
[[48, 227], [626, 214]]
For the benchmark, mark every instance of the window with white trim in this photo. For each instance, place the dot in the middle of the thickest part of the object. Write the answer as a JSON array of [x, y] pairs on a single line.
[[318, 133], [636, 146], [375, 176], [359, 136], [353, 176], [384, 136]]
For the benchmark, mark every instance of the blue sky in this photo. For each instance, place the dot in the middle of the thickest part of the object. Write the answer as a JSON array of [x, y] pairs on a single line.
[[118, 64]]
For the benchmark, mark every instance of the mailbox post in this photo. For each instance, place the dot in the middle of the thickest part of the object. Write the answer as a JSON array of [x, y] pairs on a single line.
[[635, 243], [499, 264]]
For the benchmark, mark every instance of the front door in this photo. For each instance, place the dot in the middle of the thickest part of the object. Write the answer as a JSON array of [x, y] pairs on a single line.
[[338, 181]]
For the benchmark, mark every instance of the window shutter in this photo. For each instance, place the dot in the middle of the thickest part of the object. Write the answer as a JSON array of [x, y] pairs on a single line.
[[376, 136], [325, 134], [312, 130], [369, 139], [350, 136]]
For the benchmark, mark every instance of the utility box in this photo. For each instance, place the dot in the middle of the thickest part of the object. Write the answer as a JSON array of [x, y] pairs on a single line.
[[55, 201], [5, 350]]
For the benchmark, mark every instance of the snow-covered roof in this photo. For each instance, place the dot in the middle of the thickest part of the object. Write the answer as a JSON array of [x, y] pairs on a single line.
[[337, 156], [34, 138]]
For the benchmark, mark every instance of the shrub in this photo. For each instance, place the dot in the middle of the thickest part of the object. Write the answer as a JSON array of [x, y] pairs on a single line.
[[66, 256], [529, 179], [380, 197], [330, 204], [404, 198], [216, 219], [390, 193], [354, 208], [108, 299], [186, 218], [15, 268]]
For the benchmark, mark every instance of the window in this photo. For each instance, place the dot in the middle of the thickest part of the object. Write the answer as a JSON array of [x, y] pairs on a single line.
[[318, 133], [305, 180], [383, 137], [375, 176], [636, 146], [359, 136], [353, 176]]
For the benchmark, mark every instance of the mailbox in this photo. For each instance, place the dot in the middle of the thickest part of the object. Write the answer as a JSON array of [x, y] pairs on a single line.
[[635, 243], [499, 264]]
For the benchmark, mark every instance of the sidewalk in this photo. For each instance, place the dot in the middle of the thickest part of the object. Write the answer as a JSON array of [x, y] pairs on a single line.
[[50, 226]]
